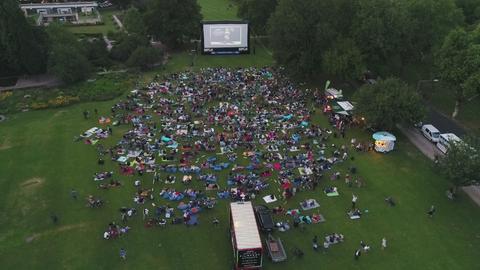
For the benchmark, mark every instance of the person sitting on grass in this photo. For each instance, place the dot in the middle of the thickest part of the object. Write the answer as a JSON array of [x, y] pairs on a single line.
[[390, 201]]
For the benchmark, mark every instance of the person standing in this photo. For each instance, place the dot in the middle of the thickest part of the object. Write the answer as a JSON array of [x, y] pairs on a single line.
[[54, 218], [315, 243], [431, 211], [123, 254], [358, 252], [145, 213], [354, 201], [74, 194], [384, 243], [215, 221]]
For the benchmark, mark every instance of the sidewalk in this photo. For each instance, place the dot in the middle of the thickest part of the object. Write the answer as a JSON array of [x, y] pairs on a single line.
[[427, 148]]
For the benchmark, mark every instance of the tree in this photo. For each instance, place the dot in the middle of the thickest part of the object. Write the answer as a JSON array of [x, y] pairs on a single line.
[[471, 10], [387, 103], [381, 30], [122, 3], [127, 43], [293, 37], [67, 58], [23, 47], [461, 164], [145, 57], [174, 22], [301, 31], [257, 13], [96, 52], [68, 65], [344, 59], [430, 22], [458, 64], [133, 22]]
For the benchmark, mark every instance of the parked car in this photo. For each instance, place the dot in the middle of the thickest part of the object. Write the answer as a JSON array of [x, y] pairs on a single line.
[[264, 218], [445, 140], [431, 133]]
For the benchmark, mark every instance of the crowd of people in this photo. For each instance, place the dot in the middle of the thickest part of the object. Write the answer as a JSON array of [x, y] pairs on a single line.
[[226, 134]]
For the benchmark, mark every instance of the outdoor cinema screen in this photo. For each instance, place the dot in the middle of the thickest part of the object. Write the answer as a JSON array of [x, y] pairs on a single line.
[[225, 38]]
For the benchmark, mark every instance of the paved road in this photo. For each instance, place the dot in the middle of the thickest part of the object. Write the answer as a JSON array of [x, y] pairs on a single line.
[[443, 123], [425, 146]]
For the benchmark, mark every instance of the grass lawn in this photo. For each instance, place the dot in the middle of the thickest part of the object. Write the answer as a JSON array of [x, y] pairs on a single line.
[[40, 164], [218, 9], [109, 25], [182, 61]]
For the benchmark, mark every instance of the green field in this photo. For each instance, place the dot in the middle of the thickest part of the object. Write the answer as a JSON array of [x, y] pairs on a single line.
[[218, 9], [40, 163]]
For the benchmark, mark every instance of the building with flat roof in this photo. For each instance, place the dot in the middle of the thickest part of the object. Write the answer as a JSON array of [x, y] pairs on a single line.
[[71, 12]]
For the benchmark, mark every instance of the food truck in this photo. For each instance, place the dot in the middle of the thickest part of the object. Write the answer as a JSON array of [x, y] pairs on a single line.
[[246, 242]]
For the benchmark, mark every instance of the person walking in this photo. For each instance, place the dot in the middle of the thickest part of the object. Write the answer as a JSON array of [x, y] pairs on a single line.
[[357, 254], [431, 211], [74, 194], [315, 243], [354, 201], [215, 221], [123, 254], [384, 243]]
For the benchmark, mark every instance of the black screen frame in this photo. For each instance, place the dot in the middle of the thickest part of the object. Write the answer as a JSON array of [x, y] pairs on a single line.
[[225, 51]]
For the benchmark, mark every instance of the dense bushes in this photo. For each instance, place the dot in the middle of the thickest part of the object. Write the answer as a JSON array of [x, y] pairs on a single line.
[[103, 88]]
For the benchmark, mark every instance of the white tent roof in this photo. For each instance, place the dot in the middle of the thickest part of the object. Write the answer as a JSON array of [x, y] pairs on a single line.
[[245, 225], [346, 105], [334, 92]]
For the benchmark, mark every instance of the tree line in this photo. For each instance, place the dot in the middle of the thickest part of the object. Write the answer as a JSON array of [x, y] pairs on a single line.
[[27, 49]]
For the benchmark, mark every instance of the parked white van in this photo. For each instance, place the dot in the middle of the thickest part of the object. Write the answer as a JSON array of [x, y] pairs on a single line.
[[445, 140], [431, 133]]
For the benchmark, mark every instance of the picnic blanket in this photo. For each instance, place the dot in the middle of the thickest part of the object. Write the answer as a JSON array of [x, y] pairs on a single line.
[[331, 191], [332, 194], [122, 159], [293, 212], [166, 139], [318, 218], [269, 199], [305, 171], [309, 204], [193, 220]]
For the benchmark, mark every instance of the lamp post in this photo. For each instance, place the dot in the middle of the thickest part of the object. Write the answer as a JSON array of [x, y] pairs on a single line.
[[423, 81]]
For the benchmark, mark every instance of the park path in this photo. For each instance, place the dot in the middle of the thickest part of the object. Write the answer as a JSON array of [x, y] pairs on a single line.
[[118, 22], [43, 80]]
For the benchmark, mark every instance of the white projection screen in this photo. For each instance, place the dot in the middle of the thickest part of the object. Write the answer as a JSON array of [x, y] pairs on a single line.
[[225, 37]]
